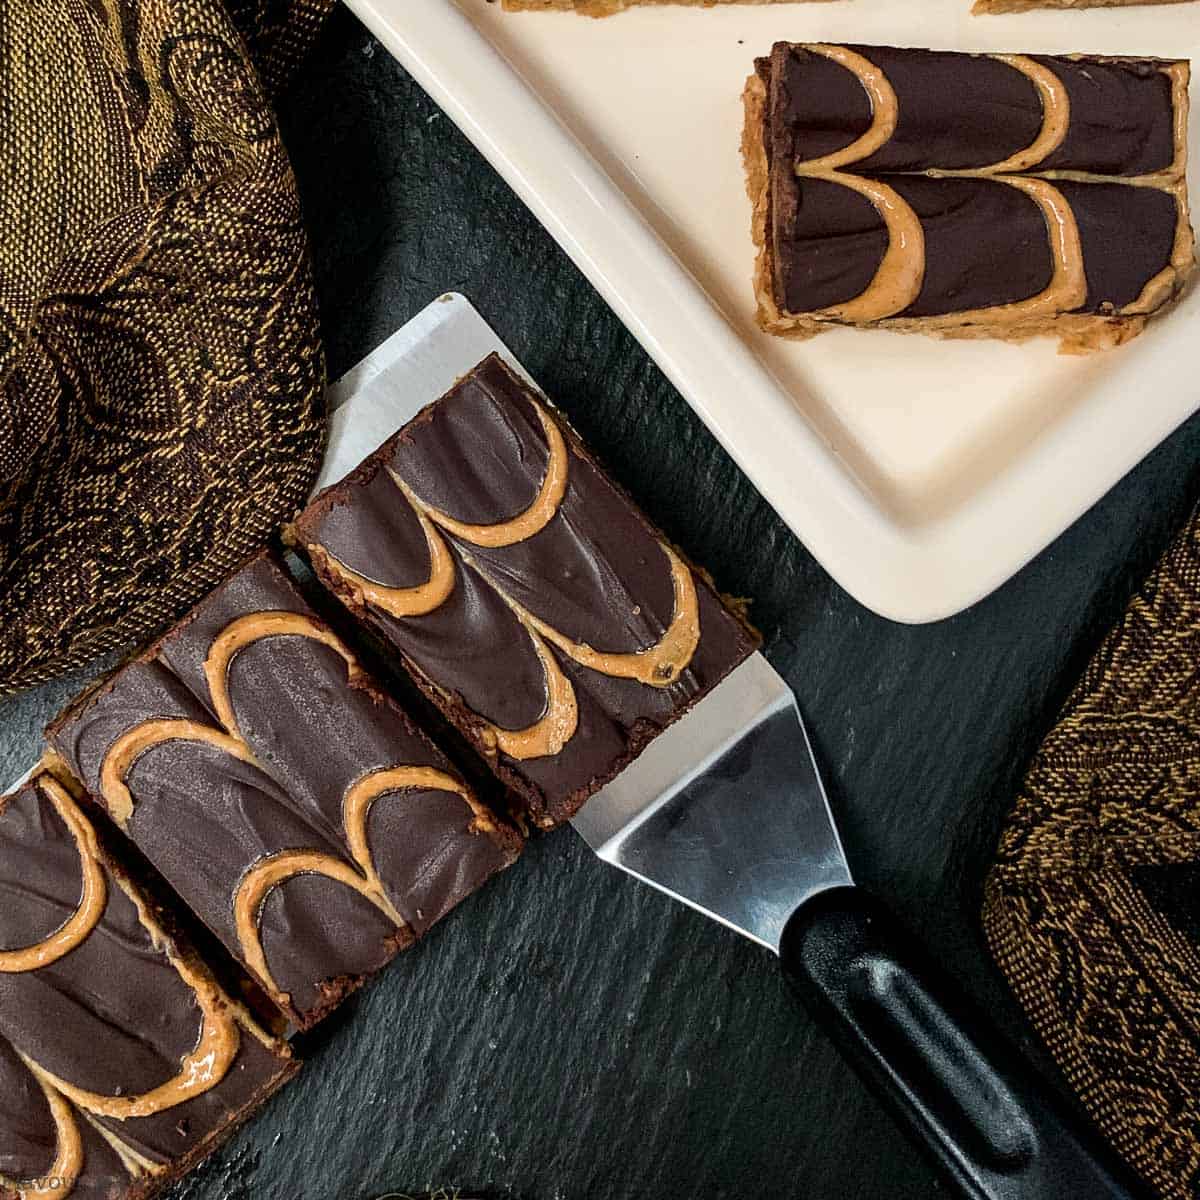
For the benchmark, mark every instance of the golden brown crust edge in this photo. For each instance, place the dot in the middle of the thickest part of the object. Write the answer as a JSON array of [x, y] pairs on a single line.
[[758, 190], [1078, 333]]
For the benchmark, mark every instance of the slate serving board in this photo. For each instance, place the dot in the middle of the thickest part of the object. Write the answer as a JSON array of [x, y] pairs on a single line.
[[568, 1034]]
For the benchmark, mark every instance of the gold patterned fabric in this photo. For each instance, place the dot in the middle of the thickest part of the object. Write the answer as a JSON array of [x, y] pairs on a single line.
[[160, 365], [1093, 908]]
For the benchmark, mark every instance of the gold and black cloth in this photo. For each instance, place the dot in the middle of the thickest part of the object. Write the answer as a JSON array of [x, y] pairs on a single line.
[[1093, 909], [160, 364]]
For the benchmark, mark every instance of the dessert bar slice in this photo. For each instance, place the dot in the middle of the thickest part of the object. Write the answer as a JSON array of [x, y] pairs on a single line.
[[528, 597], [985, 195], [292, 806], [122, 1062]]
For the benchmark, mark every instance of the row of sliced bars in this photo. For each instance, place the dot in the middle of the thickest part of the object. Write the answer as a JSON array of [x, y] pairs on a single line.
[[270, 785]]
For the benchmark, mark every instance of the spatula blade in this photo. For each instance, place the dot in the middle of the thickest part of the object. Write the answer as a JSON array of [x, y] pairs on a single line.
[[725, 810]]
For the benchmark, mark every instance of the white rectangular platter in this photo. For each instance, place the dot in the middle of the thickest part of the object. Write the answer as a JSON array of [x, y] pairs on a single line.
[[920, 473]]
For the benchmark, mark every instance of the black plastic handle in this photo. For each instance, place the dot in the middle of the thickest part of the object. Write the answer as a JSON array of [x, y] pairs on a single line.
[[960, 1091]]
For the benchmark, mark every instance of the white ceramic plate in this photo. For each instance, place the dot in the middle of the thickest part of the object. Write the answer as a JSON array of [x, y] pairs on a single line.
[[921, 473]]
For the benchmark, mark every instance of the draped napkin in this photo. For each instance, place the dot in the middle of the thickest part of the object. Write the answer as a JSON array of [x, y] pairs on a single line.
[[160, 363], [1093, 908]]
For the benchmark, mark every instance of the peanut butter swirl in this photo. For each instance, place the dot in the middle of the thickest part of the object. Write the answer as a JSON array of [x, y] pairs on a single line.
[[202, 1069], [251, 628], [132, 744], [885, 112], [356, 805], [268, 874], [898, 281], [657, 666], [93, 898], [533, 519], [1067, 288], [400, 602], [362, 877], [59, 1181], [556, 727], [1056, 116]]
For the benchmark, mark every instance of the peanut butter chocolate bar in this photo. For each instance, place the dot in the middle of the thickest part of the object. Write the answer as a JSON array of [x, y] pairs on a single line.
[[291, 805], [527, 596], [122, 1062], [972, 195]]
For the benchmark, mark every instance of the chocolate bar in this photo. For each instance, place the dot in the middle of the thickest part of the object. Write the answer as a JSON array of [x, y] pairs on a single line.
[[290, 804], [122, 1061], [977, 195], [526, 595]]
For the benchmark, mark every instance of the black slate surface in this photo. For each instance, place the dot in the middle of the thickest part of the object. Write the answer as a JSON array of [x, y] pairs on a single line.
[[569, 1034]]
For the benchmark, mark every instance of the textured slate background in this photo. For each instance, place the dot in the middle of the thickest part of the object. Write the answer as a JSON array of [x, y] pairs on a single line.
[[569, 1033]]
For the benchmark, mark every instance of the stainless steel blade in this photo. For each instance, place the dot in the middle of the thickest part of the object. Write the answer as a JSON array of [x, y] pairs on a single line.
[[725, 810]]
